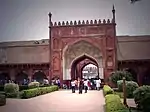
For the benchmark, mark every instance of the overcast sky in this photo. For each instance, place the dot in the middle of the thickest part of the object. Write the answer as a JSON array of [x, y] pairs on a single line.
[[28, 19]]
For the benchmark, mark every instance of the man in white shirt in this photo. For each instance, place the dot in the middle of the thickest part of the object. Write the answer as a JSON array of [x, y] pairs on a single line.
[[98, 82], [85, 85], [73, 84]]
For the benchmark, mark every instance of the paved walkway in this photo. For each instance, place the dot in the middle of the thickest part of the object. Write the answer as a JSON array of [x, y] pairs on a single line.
[[59, 101]]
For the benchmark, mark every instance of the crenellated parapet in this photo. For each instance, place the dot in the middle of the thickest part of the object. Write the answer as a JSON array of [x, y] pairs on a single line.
[[81, 23]]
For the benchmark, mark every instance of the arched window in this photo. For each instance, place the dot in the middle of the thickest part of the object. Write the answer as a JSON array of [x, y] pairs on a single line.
[[39, 76], [21, 78]]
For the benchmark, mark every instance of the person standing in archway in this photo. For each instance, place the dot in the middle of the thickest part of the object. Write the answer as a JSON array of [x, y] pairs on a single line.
[[76, 84], [73, 84], [98, 82], [85, 85], [81, 84]]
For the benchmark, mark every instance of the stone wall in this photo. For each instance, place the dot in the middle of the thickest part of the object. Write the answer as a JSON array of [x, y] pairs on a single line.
[[31, 52]]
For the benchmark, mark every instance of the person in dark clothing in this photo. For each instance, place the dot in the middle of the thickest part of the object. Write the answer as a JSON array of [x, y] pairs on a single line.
[[81, 85]]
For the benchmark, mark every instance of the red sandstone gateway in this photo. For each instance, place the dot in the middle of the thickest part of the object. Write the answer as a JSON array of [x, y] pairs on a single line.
[[72, 43]]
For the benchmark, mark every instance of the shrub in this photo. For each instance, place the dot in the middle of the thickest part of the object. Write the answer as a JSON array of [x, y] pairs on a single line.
[[1, 88], [118, 75], [33, 85], [37, 91], [107, 90], [11, 90], [114, 104], [44, 85], [29, 93], [120, 85], [2, 99], [23, 87], [142, 97], [130, 87], [120, 94]]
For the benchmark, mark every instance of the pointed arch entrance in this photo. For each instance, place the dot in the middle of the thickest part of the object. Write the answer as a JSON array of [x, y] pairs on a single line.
[[77, 71], [20, 77], [76, 54], [39, 76]]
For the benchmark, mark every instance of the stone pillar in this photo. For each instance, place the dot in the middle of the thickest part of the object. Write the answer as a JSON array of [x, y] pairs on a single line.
[[12, 74]]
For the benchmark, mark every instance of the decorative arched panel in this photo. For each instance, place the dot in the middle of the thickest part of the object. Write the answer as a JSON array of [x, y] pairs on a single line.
[[76, 51]]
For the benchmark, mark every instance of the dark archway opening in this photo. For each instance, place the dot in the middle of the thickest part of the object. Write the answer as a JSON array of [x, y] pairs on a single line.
[[39, 76], [22, 78], [78, 64], [4, 78]]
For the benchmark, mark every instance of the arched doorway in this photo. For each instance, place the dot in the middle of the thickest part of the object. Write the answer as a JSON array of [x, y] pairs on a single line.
[[20, 77], [4, 78], [39, 76], [74, 54], [77, 72]]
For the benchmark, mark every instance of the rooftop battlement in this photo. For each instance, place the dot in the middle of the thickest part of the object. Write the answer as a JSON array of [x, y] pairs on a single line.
[[81, 23]]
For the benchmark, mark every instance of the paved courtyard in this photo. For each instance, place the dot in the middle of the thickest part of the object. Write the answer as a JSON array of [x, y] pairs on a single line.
[[59, 101]]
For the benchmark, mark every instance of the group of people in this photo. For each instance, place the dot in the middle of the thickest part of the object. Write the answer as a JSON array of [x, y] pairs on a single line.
[[56, 81], [83, 84]]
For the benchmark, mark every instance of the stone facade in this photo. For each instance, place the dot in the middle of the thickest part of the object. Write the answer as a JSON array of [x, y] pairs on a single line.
[[73, 40], [71, 46], [12, 62]]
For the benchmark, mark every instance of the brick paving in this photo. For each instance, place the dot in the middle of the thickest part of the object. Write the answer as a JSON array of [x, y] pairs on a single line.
[[59, 101]]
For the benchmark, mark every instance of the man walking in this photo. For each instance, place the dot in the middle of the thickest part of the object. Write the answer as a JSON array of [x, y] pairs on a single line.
[[73, 84], [85, 85], [81, 84], [98, 82]]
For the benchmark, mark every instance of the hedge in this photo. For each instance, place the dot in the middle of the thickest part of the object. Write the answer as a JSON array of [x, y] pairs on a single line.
[[114, 104], [142, 98], [32, 85], [118, 75], [25, 94], [11, 90], [1, 88], [22, 87], [131, 86], [107, 90]]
